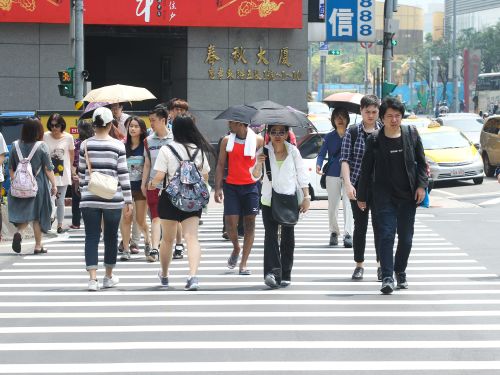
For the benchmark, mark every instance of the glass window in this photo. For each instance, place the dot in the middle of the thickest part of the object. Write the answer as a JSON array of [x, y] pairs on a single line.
[[309, 149], [441, 140]]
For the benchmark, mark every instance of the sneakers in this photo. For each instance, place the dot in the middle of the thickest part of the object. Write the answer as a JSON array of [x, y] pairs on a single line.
[[125, 255], [153, 255], [379, 273], [334, 240], [109, 282], [178, 251], [387, 285], [93, 286], [270, 281], [401, 280], [358, 273], [285, 283], [347, 241], [192, 283], [163, 280], [232, 261]]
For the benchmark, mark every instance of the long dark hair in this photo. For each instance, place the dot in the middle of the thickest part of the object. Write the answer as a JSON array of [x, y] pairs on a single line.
[[185, 131], [144, 133], [85, 130]]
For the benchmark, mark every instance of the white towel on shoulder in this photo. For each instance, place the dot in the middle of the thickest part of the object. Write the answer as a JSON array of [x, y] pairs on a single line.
[[250, 143]]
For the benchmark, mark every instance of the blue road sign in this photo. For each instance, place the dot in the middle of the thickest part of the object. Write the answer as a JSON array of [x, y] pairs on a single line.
[[323, 46], [350, 21]]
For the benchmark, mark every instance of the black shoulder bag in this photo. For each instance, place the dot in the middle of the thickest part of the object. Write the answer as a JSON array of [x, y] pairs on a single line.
[[284, 207]]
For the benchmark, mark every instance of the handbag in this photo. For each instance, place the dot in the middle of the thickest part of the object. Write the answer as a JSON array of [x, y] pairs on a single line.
[[100, 184], [322, 180], [284, 207]]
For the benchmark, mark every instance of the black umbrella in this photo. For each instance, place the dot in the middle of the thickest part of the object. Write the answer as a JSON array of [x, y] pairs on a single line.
[[240, 113], [266, 104], [283, 116]]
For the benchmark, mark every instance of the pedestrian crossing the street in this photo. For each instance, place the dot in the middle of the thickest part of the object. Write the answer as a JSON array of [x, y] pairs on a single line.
[[447, 322]]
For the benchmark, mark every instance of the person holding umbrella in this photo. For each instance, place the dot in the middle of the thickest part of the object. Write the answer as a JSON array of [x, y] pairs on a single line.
[[287, 172], [240, 191]]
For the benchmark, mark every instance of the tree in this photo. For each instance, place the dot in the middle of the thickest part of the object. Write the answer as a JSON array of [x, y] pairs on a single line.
[[488, 41]]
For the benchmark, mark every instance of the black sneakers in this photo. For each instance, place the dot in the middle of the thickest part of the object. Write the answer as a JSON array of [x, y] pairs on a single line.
[[347, 241], [387, 285], [401, 280], [334, 240]]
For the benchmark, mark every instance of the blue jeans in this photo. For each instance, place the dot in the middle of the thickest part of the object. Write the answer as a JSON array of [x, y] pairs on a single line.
[[92, 218], [394, 217]]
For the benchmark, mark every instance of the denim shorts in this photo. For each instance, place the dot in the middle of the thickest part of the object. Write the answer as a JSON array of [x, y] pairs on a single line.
[[241, 199]]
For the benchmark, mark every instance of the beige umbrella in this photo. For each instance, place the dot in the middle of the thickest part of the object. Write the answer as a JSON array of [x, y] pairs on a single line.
[[118, 94]]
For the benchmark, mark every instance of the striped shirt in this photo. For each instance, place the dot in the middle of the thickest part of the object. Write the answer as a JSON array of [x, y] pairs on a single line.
[[356, 157], [108, 157]]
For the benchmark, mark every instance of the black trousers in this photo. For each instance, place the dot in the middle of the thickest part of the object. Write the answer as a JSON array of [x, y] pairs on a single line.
[[278, 257], [360, 229], [76, 214]]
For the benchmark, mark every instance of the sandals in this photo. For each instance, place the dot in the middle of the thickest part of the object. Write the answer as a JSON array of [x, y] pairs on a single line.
[[232, 261], [40, 251], [16, 242], [245, 272]]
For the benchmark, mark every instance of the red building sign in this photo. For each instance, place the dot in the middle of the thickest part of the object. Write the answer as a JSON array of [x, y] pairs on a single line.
[[202, 13]]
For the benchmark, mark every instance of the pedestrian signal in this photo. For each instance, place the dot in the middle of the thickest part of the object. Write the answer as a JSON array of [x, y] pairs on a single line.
[[66, 82], [394, 42]]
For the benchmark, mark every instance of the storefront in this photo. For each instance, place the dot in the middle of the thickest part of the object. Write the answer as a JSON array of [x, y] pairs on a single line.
[[214, 53]]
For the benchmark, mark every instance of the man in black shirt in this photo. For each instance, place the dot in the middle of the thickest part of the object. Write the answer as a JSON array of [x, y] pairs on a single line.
[[394, 168]]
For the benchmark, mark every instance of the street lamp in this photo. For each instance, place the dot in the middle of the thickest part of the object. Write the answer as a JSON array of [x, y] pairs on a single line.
[[435, 62]]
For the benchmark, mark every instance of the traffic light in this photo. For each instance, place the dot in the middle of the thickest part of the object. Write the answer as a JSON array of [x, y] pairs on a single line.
[[394, 42], [388, 88], [66, 82], [335, 52]]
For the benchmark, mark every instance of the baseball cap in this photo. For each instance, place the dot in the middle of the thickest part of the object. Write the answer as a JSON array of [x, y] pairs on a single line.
[[106, 115]]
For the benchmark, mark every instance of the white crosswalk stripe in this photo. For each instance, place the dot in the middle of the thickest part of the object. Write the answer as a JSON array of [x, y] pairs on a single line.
[[446, 322]]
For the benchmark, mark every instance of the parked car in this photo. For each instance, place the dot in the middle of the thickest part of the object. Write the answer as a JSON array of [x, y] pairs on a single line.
[[11, 124], [490, 144], [309, 146], [469, 124], [418, 122], [450, 154], [318, 108]]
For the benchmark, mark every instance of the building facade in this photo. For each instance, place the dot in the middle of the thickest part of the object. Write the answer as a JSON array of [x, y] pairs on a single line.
[[212, 67], [475, 14]]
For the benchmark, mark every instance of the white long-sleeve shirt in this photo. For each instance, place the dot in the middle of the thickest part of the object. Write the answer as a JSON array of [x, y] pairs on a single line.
[[285, 179]]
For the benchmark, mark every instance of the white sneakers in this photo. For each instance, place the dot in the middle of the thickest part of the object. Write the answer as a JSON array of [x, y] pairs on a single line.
[[93, 286], [107, 282]]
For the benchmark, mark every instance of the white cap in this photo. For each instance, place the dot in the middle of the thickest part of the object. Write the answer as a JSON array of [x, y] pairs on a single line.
[[105, 113]]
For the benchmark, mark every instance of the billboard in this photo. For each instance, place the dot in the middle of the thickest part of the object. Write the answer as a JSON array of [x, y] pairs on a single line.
[[202, 13], [350, 21]]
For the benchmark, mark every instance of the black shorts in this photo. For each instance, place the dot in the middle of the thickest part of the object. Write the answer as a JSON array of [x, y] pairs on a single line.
[[167, 211], [241, 199]]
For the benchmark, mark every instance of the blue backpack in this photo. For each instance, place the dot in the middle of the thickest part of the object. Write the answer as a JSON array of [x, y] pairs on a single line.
[[186, 190]]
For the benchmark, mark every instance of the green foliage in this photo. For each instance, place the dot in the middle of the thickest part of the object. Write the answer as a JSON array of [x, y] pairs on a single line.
[[488, 41]]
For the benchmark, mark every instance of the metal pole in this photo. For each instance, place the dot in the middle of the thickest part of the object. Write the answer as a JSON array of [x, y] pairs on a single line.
[[366, 68], [322, 73], [309, 67], [431, 83], [435, 62], [79, 47], [387, 51], [411, 76], [454, 58]]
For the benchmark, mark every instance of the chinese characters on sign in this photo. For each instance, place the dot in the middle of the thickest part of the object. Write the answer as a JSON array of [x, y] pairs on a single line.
[[243, 72], [350, 21]]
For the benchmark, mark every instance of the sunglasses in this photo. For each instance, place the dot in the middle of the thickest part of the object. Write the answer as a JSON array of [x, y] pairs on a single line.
[[280, 133], [56, 125]]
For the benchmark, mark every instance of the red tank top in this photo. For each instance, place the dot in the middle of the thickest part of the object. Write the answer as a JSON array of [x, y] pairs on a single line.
[[238, 169]]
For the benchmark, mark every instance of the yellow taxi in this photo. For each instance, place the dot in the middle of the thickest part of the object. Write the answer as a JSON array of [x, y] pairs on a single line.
[[450, 154]]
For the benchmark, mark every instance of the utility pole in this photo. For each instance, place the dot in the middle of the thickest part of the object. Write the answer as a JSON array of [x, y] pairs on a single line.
[[387, 53], [322, 74], [454, 58], [366, 68], [411, 79], [79, 79]]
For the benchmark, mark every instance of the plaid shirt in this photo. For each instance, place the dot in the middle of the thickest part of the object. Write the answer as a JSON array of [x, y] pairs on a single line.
[[356, 158]]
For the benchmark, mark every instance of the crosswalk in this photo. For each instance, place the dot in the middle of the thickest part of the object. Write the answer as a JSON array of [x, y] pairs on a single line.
[[447, 322]]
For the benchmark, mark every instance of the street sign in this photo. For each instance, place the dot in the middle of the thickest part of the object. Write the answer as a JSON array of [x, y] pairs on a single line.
[[335, 52], [350, 21], [366, 44], [323, 48]]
